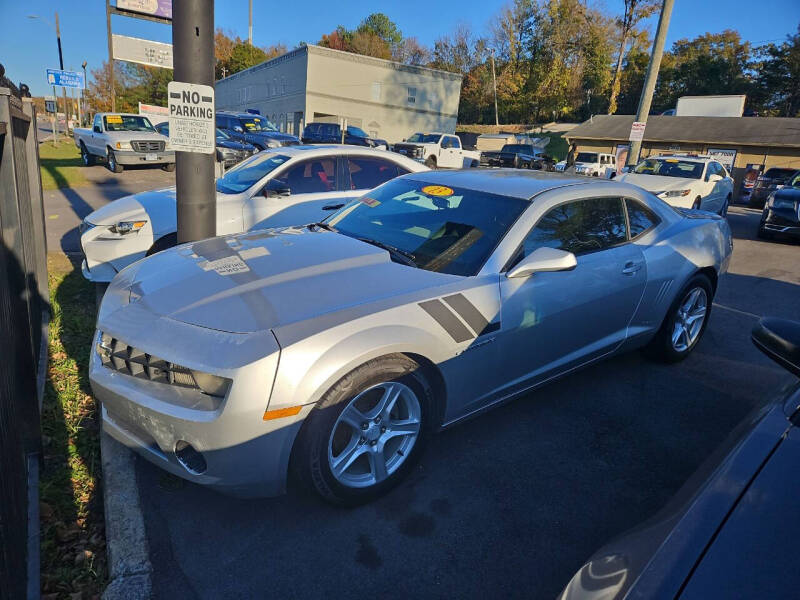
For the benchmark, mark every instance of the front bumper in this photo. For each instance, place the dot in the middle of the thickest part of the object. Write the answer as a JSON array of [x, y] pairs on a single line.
[[781, 221], [243, 455], [105, 253], [129, 157]]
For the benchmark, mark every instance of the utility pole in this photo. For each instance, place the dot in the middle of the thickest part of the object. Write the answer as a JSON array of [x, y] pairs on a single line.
[[193, 49], [110, 57], [494, 85], [652, 75], [63, 89], [83, 91], [250, 25]]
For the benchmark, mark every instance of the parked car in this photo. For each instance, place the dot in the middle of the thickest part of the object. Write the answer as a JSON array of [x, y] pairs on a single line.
[[773, 179], [279, 187], [596, 164], [229, 151], [123, 139], [731, 531], [337, 348], [438, 150], [331, 133], [561, 166], [697, 182], [518, 156], [781, 214], [253, 129]]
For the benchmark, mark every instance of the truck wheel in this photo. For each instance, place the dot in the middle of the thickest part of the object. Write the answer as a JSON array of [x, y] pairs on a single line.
[[88, 159], [474, 164], [113, 165], [169, 167], [430, 162]]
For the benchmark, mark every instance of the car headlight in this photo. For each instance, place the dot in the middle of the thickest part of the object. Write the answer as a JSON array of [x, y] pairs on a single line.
[[124, 227], [273, 144], [677, 193], [167, 145], [123, 146]]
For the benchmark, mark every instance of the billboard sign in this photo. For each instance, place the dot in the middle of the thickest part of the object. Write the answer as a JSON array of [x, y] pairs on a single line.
[[144, 52], [155, 8], [725, 156], [67, 79], [156, 114]]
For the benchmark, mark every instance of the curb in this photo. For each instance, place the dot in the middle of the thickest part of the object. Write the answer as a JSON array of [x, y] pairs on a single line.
[[126, 543]]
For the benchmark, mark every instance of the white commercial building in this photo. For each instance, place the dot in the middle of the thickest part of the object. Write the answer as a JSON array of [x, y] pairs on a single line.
[[388, 100]]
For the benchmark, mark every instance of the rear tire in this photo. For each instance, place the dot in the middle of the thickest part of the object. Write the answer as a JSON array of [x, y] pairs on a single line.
[[350, 449], [679, 333], [112, 164], [88, 159]]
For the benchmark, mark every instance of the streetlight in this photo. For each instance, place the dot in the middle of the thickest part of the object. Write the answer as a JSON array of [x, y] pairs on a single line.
[[60, 62]]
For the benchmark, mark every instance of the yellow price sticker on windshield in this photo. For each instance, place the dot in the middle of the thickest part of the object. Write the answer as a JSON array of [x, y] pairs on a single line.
[[437, 190], [113, 119], [671, 160], [249, 125]]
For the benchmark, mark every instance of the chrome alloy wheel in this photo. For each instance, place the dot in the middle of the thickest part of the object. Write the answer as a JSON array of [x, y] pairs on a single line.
[[374, 434], [689, 319]]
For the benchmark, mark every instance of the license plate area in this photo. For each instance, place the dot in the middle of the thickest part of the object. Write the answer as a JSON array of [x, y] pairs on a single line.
[[151, 156]]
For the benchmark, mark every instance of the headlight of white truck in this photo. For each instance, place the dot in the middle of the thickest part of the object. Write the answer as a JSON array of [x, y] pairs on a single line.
[[123, 146]]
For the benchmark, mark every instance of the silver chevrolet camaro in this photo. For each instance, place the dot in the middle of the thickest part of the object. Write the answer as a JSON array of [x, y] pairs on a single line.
[[331, 351]]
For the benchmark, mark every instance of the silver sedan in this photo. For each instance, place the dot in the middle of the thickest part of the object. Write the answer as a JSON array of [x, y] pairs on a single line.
[[332, 351]]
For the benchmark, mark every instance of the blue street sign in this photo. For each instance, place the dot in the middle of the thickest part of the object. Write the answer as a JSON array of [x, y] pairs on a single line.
[[70, 79]]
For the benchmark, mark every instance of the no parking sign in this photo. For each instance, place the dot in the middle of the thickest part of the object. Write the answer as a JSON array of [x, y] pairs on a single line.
[[191, 117]]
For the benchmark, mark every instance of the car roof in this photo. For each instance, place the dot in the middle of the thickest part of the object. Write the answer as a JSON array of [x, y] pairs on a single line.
[[338, 150], [506, 182], [233, 113], [695, 158]]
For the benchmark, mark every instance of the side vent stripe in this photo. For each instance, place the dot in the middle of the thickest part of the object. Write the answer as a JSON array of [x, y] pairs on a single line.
[[447, 320], [468, 312]]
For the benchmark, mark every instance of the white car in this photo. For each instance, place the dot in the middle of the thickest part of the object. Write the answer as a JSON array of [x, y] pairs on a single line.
[[438, 150], [698, 182], [292, 185], [596, 164]]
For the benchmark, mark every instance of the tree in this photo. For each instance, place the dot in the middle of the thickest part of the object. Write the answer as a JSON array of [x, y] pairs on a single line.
[[383, 27], [411, 52], [369, 44], [779, 77], [634, 12]]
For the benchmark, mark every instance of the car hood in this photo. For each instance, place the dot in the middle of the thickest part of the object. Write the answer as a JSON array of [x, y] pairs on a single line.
[[272, 135], [232, 145], [261, 280], [658, 183], [138, 206]]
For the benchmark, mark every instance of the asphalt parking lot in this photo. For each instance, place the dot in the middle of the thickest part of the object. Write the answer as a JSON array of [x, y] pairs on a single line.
[[510, 503]]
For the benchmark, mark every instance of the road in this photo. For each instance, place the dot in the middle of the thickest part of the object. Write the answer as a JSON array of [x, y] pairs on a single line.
[[509, 504]]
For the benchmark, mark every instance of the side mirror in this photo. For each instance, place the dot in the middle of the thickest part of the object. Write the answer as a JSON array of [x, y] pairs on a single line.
[[543, 259], [276, 189], [238, 129], [96, 129], [713, 178], [780, 340]]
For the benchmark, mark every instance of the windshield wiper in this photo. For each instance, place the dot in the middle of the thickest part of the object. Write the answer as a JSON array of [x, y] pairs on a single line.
[[403, 255], [321, 225]]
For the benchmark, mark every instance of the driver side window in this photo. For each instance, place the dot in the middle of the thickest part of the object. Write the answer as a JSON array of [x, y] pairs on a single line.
[[580, 227]]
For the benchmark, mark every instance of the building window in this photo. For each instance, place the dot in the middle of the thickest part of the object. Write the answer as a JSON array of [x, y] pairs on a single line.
[[412, 95]]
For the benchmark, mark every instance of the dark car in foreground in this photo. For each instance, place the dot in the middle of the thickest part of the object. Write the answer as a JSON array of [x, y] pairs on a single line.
[[253, 129], [331, 133], [229, 151], [773, 179], [781, 214], [518, 156], [732, 530]]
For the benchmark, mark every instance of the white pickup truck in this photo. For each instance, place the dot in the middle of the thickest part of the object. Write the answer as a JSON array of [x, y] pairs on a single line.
[[123, 139], [438, 150]]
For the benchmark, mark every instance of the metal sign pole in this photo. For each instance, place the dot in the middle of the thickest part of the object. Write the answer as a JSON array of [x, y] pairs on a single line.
[[193, 60]]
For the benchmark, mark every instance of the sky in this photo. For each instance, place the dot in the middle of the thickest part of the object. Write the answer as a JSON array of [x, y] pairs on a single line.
[[28, 46]]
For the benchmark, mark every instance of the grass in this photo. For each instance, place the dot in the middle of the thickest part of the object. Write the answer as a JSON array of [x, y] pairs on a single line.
[[61, 165], [72, 524]]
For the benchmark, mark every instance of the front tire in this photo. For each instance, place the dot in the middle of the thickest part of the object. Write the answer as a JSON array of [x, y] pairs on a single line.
[[113, 165], [366, 432], [168, 241], [697, 203], [723, 212], [684, 323], [430, 162]]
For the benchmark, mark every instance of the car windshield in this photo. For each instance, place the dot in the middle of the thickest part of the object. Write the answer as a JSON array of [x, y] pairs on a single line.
[[127, 123], [796, 181], [249, 172], [424, 138], [356, 131], [221, 135], [257, 124], [777, 173], [670, 167], [587, 157], [433, 227], [517, 148]]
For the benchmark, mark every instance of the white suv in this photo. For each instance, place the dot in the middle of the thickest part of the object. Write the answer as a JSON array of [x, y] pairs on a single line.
[[690, 181], [595, 164]]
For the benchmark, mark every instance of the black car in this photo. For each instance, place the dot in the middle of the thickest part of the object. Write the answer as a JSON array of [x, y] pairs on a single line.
[[229, 151], [331, 133], [732, 530], [253, 129], [518, 156], [768, 183], [781, 215]]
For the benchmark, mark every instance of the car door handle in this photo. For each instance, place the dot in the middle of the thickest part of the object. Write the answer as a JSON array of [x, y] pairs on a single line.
[[631, 268], [332, 206]]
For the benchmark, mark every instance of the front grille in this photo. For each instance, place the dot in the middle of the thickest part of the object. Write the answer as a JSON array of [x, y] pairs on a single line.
[[117, 355], [148, 146]]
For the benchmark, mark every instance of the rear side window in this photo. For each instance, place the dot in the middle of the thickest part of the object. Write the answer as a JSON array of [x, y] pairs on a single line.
[[580, 227], [311, 176], [640, 218], [776, 173], [368, 173]]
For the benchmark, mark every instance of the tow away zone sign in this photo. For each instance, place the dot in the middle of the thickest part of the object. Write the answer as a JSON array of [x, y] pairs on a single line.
[[191, 117]]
